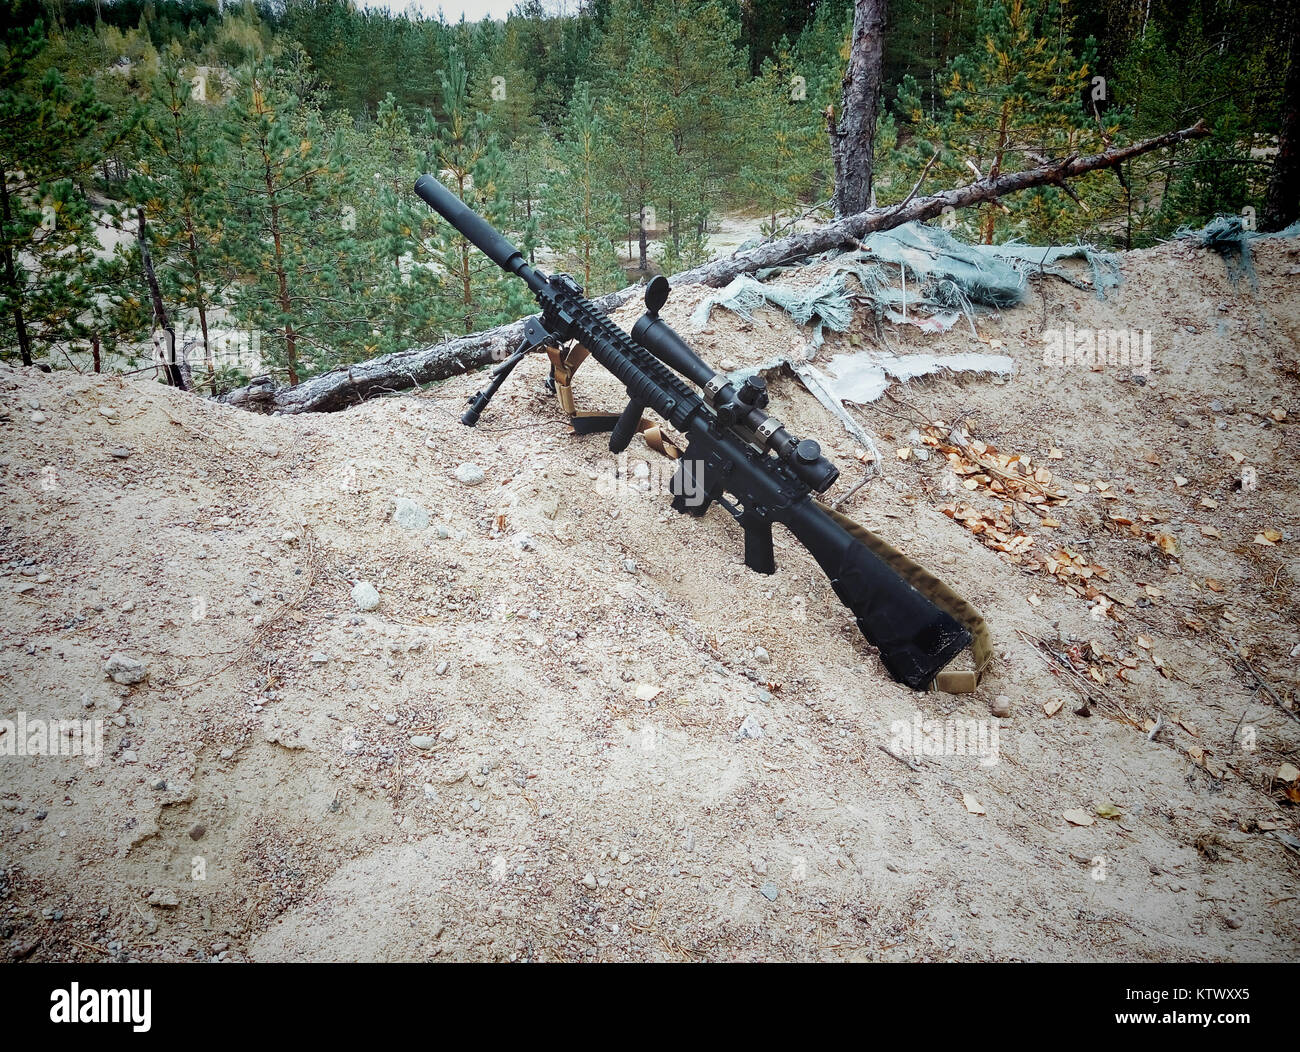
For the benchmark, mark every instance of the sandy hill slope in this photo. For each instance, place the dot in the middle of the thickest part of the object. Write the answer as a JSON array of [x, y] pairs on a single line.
[[533, 749]]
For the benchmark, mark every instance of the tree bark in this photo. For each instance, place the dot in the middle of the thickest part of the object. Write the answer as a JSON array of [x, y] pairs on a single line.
[[1282, 205], [390, 373], [11, 275], [853, 136], [177, 375]]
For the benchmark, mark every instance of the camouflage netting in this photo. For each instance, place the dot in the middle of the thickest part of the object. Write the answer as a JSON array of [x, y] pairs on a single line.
[[1229, 236], [914, 274]]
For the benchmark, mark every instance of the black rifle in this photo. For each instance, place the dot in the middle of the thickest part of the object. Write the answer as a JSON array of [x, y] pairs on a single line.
[[734, 449]]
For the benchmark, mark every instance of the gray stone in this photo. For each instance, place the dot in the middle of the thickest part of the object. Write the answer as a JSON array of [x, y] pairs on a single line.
[[769, 891], [127, 670], [365, 595], [424, 741], [470, 474], [409, 515]]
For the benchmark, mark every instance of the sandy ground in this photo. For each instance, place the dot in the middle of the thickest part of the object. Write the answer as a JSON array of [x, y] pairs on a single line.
[[531, 749]]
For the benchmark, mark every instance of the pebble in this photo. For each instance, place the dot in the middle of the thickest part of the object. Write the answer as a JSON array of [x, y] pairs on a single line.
[[589, 881], [129, 756], [769, 891], [226, 754], [762, 656], [365, 595], [319, 659], [749, 728], [423, 741], [470, 474], [127, 670], [409, 515], [1001, 706], [441, 670], [38, 418]]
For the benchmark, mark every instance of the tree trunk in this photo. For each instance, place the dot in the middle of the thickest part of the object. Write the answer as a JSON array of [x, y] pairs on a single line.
[[389, 373], [172, 367], [11, 275], [94, 351], [642, 241], [1282, 205], [853, 137]]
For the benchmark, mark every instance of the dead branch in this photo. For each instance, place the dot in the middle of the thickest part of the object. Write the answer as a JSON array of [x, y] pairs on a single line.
[[389, 373]]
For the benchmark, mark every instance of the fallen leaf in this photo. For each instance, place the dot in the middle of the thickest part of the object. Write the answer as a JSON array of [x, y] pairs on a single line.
[[904, 453], [1273, 535], [1179, 480], [1261, 539], [1109, 810], [647, 691], [1288, 772], [1210, 531], [972, 805], [1054, 454], [1078, 817], [1213, 585], [1144, 642], [1052, 707]]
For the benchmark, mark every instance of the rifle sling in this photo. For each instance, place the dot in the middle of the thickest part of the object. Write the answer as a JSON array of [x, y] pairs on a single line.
[[981, 647]]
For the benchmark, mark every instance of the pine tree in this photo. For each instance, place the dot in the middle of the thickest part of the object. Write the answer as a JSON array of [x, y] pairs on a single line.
[[782, 139], [474, 293], [177, 186], [290, 233], [581, 213], [50, 139], [1015, 100]]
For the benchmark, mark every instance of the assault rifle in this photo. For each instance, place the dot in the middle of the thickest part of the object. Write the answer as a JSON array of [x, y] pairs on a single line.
[[739, 457]]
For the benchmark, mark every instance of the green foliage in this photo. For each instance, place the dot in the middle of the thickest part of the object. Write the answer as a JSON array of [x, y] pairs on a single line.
[[473, 293], [51, 135], [582, 218], [290, 233]]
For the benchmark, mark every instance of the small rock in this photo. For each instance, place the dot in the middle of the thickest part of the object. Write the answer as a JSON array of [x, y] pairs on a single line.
[[441, 668], [319, 658], [1001, 706], [762, 656], [121, 452], [366, 596], [409, 515], [129, 756], [749, 728], [38, 418], [127, 670], [470, 474], [589, 881], [164, 899], [769, 891], [423, 741]]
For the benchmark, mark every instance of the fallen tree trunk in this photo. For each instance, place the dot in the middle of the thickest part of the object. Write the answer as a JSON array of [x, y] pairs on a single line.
[[349, 385]]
